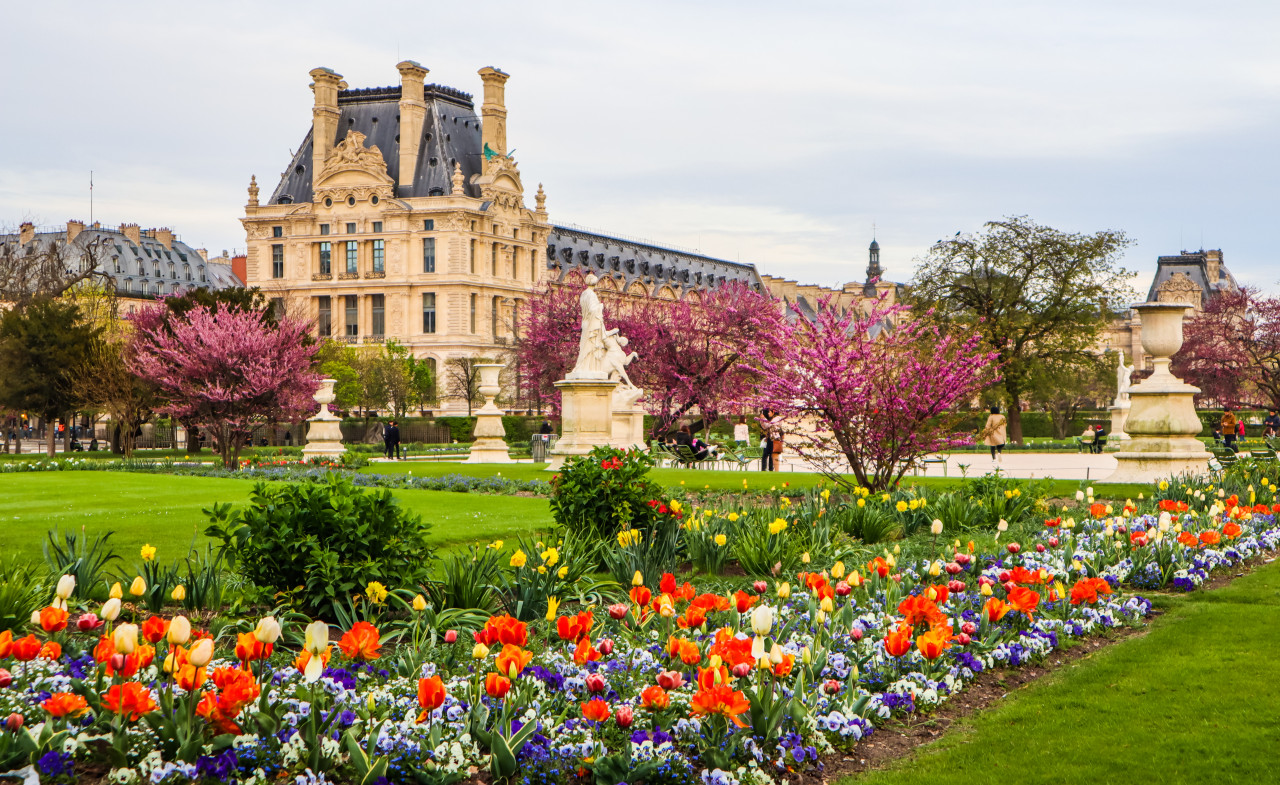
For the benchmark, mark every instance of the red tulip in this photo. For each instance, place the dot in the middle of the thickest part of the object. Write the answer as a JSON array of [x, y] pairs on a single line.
[[953, 568], [963, 558], [117, 662], [624, 715], [595, 683], [1005, 575], [968, 628], [1039, 547], [1053, 542], [451, 636], [618, 611], [955, 587], [89, 621], [13, 722], [6, 678], [963, 639], [831, 686], [760, 586], [843, 588], [1013, 547], [670, 680], [605, 647]]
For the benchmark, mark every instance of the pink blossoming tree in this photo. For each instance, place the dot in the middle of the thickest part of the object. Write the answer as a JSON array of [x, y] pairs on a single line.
[[226, 371], [689, 351], [1231, 349], [855, 395]]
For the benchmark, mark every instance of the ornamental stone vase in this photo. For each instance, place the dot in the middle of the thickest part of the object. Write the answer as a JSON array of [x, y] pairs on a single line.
[[324, 434], [1162, 421], [490, 444]]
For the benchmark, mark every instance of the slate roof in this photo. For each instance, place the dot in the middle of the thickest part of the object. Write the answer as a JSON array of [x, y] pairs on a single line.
[[573, 248], [138, 262], [1195, 265], [450, 132]]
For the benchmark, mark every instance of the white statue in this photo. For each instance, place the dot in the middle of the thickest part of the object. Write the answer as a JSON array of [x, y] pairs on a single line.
[[616, 357], [1124, 380], [591, 346]]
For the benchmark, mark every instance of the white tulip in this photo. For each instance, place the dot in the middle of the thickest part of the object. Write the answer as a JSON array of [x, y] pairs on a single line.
[[201, 653], [268, 630], [316, 639], [775, 654], [111, 609], [35, 618], [126, 638], [66, 585], [1079, 496], [936, 528], [179, 630], [762, 620], [757, 648]]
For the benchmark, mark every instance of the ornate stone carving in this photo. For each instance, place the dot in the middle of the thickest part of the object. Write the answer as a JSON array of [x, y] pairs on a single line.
[[253, 190], [350, 157], [458, 180], [1179, 289]]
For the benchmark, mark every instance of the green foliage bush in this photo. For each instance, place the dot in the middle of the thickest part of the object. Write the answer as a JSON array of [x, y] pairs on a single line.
[[24, 588], [604, 492], [320, 543]]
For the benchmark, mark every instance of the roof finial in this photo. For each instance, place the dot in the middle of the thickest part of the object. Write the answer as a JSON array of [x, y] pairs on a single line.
[[458, 180], [253, 190], [541, 200]]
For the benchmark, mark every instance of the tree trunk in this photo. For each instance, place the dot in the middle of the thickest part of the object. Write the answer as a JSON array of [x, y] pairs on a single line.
[[1015, 419], [51, 432]]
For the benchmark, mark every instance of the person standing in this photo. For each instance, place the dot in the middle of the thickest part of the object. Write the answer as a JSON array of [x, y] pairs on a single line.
[[393, 441], [1228, 425], [995, 433], [741, 433], [767, 460]]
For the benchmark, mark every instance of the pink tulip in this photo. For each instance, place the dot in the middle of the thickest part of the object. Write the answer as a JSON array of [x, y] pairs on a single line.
[[760, 586], [968, 628], [742, 670], [954, 568], [670, 680], [1005, 576], [963, 639], [605, 647], [6, 678], [89, 621], [1039, 547], [595, 683], [618, 611], [955, 586], [451, 636], [856, 634], [117, 662], [1053, 542], [843, 588], [623, 715], [831, 686], [13, 722], [1013, 547]]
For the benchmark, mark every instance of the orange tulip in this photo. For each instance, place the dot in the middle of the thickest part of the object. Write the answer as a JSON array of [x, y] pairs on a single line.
[[513, 659], [1210, 537], [743, 601], [360, 642], [53, 619], [191, 678], [918, 609], [1024, 600], [130, 700], [496, 686], [934, 642], [584, 652], [51, 650], [250, 649], [995, 609], [1233, 529], [693, 617], [654, 698], [6, 643], [25, 649], [105, 648], [503, 630], [62, 704], [430, 696], [1188, 539], [898, 642], [1086, 590], [686, 650], [640, 595], [720, 699], [574, 628], [155, 628], [595, 710]]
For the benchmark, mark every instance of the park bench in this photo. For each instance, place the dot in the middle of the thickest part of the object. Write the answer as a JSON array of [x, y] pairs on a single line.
[[1225, 455]]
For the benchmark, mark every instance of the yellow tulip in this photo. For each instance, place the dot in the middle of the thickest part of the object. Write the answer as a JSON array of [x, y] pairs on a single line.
[[837, 570], [419, 603], [804, 557], [826, 605], [986, 590], [125, 638], [553, 605], [179, 593], [480, 651], [138, 587], [784, 590], [179, 631], [201, 653], [116, 592], [637, 579]]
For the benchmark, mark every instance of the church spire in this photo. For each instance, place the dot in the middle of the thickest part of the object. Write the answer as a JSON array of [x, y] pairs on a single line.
[[874, 270]]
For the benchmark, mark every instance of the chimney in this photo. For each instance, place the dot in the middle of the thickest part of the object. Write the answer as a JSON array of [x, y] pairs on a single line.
[[165, 236], [202, 253], [413, 111], [1213, 264], [240, 268], [131, 231], [74, 228], [494, 110], [324, 117], [26, 232]]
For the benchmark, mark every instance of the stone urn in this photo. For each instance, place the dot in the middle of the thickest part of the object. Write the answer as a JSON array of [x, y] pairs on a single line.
[[490, 444], [324, 434], [1162, 420]]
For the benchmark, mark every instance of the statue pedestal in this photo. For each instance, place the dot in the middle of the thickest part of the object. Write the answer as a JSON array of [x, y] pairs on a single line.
[[1119, 416], [489, 445], [628, 419], [1162, 420], [324, 437], [586, 418]]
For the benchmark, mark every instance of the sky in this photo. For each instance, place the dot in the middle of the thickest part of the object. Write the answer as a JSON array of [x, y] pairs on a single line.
[[777, 134]]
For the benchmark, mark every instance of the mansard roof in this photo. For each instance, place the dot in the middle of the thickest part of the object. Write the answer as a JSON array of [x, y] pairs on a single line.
[[450, 133], [628, 261], [1196, 266]]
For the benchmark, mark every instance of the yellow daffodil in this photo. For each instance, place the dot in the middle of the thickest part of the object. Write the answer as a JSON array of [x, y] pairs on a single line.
[[563, 572], [902, 506], [376, 592], [550, 557], [518, 559], [148, 552], [733, 517], [721, 540], [778, 526]]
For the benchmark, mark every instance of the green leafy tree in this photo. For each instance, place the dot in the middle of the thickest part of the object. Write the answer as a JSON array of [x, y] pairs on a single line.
[[1064, 389], [1038, 296], [40, 348]]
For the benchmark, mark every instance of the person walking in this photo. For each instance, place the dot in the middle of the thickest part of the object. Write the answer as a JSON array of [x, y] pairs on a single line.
[[1228, 425], [393, 441], [767, 460], [995, 433]]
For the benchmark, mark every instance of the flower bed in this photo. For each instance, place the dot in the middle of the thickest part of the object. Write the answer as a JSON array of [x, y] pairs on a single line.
[[667, 684]]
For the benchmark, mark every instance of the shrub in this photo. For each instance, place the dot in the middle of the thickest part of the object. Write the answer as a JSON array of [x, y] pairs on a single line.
[[82, 555], [604, 492], [24, 588], [323, 542]]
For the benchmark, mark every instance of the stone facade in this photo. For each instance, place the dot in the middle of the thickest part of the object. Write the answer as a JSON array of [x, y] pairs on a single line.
[[401, 216]]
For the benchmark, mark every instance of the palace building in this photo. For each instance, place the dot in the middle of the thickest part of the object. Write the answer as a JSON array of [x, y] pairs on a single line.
[[403, 216]]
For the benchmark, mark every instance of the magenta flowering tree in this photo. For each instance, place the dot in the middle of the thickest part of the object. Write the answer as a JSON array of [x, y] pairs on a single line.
[[1231, 349], [228, 371], [689, 351], [854, 394]]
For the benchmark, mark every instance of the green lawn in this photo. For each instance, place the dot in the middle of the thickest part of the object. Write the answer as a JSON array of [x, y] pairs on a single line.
[[1194, 700], [165, 510]]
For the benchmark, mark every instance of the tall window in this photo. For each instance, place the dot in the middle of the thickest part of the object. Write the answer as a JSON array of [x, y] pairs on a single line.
[[186, 271], [493, 260], [326, 316], [428, 312], [515, 262], [353, 315], [493, 318], [326, 259], [473, 257], [378, 306], [276, 307], [533, 265], [428, 254], [429, 225], [379, 256], [473, 313], [155, 270], [324, 228], [277, 261], [277, 231], [352, 257]]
